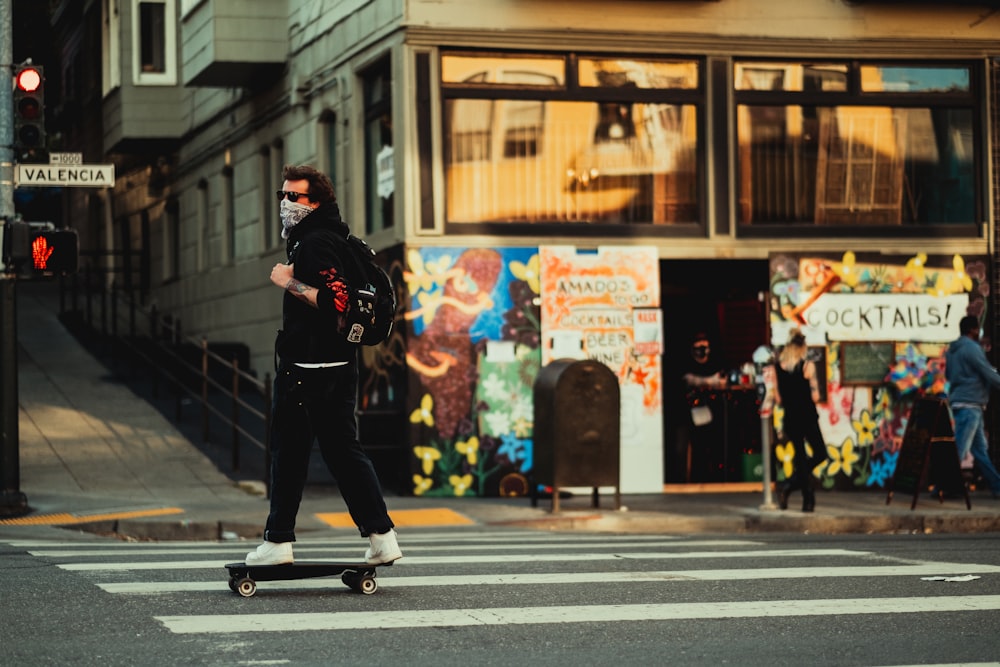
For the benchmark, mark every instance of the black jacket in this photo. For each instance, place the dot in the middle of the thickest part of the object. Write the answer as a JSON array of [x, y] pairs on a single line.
[[313, 335]]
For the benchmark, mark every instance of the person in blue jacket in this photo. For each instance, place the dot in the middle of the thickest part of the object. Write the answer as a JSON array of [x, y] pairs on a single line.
[[970, 378]]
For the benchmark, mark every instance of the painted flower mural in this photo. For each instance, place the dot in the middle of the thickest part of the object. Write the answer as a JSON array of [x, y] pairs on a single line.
[[863, 421], [474, 355]]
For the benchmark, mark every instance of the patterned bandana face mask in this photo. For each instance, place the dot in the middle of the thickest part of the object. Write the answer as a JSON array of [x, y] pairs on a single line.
[[291, 214]]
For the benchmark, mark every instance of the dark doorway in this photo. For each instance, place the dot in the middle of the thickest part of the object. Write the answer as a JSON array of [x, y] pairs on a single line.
[[723, 300]]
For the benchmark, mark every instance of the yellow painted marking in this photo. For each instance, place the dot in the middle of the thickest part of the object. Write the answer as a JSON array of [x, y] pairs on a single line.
[[62, 519], [404, 518], [714, 487]]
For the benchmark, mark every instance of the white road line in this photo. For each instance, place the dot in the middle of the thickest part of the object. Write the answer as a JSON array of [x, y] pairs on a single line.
[[437, 618], [928, 569], [491, 558], [407, 547]]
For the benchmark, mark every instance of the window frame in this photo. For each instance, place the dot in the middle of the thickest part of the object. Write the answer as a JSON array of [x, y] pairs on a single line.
[[228, 244], [374, 110], [111, 28], [854, 96], [571, 91], [168, 77]]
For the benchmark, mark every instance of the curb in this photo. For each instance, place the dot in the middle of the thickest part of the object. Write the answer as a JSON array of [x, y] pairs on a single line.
[[167, 531], [597, 522]]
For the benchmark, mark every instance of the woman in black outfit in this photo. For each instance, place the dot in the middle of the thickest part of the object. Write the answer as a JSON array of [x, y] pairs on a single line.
[[798, 393]]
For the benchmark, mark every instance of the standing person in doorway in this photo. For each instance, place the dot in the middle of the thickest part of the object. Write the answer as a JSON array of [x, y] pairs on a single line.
[[703, 438], [315, 387], [798, 393], [970, 378]]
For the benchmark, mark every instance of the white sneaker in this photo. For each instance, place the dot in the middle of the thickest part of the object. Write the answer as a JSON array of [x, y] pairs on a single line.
[[384, 549], [271, 553]]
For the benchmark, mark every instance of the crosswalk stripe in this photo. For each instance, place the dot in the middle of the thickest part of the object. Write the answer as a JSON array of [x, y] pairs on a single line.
[[496, 558], [428, 618], [409, 548], [926, 569]]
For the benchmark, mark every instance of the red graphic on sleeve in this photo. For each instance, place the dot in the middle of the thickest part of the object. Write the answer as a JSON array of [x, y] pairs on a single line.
[[339, 287]]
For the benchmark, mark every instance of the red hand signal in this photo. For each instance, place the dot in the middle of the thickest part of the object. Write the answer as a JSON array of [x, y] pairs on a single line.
[[40, 252]]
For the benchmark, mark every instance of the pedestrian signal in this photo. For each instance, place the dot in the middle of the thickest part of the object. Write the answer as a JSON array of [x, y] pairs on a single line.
[[38, 250]]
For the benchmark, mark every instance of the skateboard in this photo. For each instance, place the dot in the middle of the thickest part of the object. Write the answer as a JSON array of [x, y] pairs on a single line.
[[360, 577]]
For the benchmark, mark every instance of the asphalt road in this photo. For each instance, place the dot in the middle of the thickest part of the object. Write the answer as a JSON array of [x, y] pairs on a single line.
[[482, 596]]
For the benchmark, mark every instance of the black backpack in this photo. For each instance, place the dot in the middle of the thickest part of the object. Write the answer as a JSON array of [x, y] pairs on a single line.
[[372, 302]]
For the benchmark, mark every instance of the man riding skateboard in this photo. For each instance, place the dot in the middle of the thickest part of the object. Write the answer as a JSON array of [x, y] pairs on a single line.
[[315, 387]]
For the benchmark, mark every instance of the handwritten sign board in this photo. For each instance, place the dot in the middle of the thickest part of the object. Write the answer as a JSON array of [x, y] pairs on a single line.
[[928, 456], [924, 318], [865, 363]]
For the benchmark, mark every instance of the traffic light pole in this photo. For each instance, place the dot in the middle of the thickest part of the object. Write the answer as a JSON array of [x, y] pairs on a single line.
[[12, 501]]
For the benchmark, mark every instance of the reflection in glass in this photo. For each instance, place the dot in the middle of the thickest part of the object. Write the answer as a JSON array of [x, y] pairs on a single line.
[[608, 73], [914, 79], [535, 71], [555, 161], [855, 165], [798, 77]]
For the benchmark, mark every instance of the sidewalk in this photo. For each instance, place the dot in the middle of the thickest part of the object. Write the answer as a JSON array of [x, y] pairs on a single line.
[[95, 457]]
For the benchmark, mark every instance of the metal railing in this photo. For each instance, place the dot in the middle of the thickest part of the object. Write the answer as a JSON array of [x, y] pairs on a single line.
[[187, 365]]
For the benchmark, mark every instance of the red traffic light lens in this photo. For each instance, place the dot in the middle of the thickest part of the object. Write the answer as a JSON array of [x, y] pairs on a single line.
[[29, 80], [28, 108]]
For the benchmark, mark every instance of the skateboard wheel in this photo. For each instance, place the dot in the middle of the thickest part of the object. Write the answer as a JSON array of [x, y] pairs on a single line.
[[246, 587], [367, 585], [232, 584]]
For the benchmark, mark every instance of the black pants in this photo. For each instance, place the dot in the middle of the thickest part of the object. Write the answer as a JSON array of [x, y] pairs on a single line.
[[319, 403], [799, 434]]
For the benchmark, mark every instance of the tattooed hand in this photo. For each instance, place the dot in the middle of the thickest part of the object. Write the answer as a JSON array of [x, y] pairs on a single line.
[[281, 274]]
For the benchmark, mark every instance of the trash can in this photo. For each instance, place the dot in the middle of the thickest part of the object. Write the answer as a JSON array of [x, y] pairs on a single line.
[[577, 428]]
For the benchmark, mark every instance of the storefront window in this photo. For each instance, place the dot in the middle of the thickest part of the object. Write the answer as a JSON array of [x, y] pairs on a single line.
[[616, 143], [863, 159]]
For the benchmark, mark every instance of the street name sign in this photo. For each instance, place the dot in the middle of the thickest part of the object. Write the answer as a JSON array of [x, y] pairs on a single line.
[[81, 175]]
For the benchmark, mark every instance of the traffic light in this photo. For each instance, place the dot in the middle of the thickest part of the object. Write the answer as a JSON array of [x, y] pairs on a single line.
[[36, 250], [29, 109]]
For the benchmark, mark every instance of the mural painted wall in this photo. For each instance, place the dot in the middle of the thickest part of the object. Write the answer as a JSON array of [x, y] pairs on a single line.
[[604, 305], [473, 329], [878, 327], [474, 334]]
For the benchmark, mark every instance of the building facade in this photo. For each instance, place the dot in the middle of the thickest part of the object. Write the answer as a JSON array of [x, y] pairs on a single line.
[[549, 179]]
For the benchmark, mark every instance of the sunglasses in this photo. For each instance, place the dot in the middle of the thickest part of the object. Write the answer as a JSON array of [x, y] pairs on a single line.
[[292, 196]]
